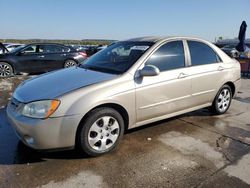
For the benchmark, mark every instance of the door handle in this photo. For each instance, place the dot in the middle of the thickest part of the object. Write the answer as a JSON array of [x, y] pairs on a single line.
[[41, 56], [63, 54], [182, 75], [220, 68]]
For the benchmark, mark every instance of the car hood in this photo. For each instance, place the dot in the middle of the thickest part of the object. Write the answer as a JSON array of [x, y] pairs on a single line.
[[57, 83]]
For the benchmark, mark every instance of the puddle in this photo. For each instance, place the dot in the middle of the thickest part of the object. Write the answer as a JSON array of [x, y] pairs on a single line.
[[180, 163], [191, 146], [246, 100]]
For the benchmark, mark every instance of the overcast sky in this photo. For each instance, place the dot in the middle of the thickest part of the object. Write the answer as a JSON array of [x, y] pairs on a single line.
[[121, 19]]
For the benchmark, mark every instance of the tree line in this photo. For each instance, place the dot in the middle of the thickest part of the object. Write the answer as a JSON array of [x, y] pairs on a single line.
[[76, 42]]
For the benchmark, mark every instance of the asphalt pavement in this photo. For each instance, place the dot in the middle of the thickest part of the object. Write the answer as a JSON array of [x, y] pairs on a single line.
[[192, 150]]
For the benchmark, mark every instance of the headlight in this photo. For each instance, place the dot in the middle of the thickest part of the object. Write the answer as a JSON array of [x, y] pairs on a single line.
[[40, 109]]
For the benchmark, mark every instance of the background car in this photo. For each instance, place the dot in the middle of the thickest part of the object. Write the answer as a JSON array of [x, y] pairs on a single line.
[[89, 50], [3, 49], [12, 46], [230, 50], [99, 48], [39, 57]]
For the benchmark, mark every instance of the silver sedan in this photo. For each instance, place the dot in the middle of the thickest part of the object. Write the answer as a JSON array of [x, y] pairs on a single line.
[[129, 84]]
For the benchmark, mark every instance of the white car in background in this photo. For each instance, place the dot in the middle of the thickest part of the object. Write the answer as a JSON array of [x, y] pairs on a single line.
[[12, 46]]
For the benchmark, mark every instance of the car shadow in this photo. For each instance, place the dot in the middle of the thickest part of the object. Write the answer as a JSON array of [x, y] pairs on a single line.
[[14, 151]]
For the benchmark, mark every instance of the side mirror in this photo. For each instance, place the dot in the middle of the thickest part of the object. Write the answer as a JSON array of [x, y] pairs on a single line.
[[149, 70]]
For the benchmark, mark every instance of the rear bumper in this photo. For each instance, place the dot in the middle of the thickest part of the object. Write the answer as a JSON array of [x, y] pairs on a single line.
[[45, 134], [79, 58]]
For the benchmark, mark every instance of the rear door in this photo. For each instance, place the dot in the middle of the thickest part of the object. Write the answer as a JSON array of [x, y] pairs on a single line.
[[168, 92], [208, 72], [54, 56]]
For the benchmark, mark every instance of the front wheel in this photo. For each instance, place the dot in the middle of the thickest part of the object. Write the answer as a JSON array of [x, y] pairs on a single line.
[[100, 132], [222, 100]]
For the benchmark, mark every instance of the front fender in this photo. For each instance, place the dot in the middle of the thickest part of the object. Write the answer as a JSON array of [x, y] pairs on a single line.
[[81, 101]]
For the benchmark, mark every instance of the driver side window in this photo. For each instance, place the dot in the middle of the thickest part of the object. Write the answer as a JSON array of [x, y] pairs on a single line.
[[30, 49], [169, 56]]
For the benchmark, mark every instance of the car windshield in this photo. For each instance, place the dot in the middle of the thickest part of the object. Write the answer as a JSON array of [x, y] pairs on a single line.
[[117, 58]]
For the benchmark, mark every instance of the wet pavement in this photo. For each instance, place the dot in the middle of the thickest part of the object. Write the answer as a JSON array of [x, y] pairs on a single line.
[[192, 150]]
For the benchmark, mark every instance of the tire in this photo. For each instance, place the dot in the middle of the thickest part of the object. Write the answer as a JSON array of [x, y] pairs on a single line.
[[101, 132], [222, 100], [69, 63], [6, 70]]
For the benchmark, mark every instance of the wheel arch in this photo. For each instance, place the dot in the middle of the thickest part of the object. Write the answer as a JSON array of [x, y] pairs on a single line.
[[11, 64], [119, 108], [232, 86], [71, 59]]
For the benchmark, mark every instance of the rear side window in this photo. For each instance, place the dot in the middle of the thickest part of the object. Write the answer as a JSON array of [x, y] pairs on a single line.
[[202, 54], [169, 56], [53, 49]]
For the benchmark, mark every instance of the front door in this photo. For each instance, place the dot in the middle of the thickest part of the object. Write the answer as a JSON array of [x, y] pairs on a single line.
[[168, 92], [31, 60]]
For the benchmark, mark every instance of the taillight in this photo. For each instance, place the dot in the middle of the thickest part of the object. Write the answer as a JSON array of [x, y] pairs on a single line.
[[83, 54]]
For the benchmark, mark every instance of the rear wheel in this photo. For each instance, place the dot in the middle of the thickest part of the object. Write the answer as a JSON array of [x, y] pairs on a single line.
[[70, 63], [222, 100], [6, 70], [100, 132]]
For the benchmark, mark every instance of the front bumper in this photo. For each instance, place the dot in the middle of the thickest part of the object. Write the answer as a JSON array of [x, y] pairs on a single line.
[[43, 134]]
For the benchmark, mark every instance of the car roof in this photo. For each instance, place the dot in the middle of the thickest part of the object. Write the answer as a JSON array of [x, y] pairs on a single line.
[[147, 39], [45, 43], [156, 39]]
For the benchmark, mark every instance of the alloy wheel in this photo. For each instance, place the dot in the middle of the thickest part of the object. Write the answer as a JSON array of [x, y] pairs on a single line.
[[103, 133], [5, 70], [69, 63], [224, 99]]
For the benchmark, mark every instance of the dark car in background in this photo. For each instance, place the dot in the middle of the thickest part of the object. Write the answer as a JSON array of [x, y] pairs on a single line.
[[230, 50], [89, 50], [39, 57]]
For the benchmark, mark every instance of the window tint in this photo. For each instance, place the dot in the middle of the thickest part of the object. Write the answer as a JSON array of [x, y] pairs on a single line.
[[53, 49], [202, 54], [169, 56], [30, 49]]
